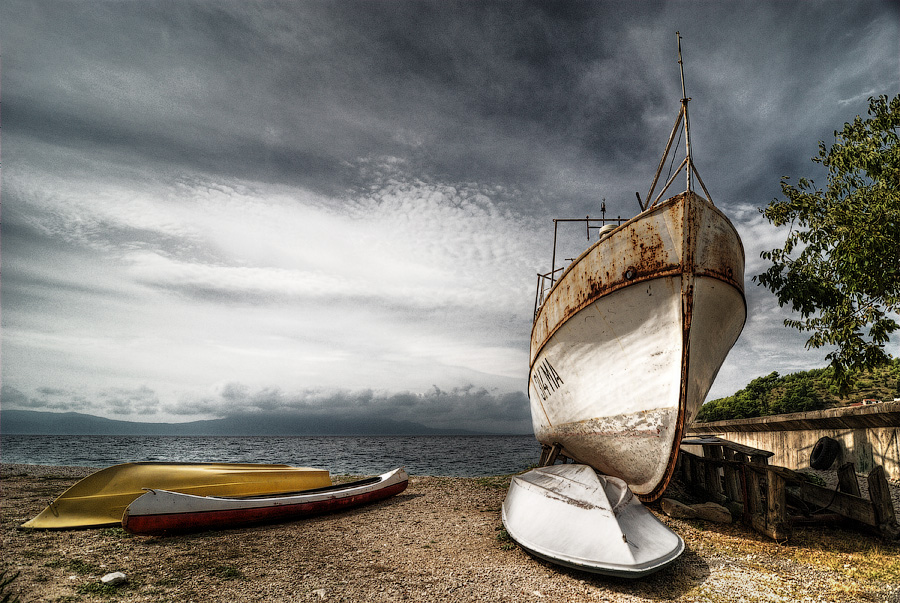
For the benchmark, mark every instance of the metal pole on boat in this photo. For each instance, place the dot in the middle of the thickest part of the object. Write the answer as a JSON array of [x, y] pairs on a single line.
[[687, 121], [553, 263]]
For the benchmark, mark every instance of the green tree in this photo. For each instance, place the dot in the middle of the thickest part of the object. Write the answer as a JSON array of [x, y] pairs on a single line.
[[840, 265], [799, 396]]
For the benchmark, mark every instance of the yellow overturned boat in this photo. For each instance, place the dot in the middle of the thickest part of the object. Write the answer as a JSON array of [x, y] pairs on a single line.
[[100, 499]]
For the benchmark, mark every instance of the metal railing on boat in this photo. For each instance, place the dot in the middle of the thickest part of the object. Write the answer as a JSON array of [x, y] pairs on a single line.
[[547, 280]]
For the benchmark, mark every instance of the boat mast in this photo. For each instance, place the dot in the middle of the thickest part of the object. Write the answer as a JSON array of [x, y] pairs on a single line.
[[681, 122], [687, 121]]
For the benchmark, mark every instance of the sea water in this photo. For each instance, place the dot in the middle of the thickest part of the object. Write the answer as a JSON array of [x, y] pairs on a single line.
[[457, 456]]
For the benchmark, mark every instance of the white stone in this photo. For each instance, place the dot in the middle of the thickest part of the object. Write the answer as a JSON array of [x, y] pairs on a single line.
[[114, 578]]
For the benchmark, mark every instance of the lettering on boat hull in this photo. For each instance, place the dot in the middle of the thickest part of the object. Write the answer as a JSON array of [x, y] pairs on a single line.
[[546, 380]]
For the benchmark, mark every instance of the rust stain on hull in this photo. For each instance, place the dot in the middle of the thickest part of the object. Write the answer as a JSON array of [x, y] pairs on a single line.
[[642, 256]]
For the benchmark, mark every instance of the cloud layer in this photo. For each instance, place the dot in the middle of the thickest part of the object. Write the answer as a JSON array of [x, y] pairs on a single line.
[[213, 207]]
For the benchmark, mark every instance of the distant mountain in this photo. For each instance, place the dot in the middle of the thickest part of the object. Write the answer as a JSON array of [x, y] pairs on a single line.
[[72, 423]]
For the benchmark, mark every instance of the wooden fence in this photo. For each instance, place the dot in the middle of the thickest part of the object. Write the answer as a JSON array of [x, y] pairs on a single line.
[[773, 499]]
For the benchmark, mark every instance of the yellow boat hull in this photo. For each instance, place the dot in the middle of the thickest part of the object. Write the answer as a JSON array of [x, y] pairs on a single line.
[[100, 499]]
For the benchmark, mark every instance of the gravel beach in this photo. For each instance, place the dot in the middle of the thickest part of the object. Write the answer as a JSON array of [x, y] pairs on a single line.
[[440, 540]]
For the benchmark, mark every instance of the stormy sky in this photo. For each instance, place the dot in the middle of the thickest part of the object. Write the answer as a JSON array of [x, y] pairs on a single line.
[[221, 207]]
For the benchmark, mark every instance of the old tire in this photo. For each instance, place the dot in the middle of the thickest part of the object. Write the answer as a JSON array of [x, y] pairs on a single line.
[[824, 453]]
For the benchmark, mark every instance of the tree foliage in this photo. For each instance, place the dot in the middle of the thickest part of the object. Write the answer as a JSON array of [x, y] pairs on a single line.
[[769, 395], [840, 265], [801, 392]]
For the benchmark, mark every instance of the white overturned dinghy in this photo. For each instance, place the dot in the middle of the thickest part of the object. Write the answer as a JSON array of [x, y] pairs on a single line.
[[597, 525], [164, 512]]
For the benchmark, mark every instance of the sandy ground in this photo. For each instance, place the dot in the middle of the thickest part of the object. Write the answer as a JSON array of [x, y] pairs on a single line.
[[440, 540]]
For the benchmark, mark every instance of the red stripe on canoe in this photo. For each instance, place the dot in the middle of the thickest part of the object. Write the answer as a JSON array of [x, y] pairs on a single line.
[[228, 518]]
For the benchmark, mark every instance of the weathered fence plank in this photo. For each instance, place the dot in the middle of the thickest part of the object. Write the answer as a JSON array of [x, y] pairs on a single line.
[[847, 481], [882, 505]]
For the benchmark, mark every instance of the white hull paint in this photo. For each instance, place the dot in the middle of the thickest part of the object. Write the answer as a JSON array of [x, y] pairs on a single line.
[[628, 342], [569, 515]]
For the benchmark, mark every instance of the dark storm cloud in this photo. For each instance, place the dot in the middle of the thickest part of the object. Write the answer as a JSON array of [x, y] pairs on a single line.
[[114, 401], [467, 408], [467, 90], [47, 399], [489, 91]]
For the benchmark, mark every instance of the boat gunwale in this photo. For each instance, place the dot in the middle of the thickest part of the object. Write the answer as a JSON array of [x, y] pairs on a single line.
[[323, 490], [348, 488]]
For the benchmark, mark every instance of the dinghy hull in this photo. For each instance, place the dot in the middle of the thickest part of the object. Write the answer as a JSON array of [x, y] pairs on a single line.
[[164, 512], [571, 516]]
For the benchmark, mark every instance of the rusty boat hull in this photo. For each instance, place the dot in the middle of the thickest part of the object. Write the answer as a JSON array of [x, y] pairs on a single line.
[[628, 342]]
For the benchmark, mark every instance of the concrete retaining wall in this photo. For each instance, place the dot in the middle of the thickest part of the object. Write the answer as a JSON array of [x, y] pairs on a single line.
[[869, 435]]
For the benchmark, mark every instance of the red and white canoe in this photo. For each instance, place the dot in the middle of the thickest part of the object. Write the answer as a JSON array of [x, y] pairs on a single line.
[[162, 511]]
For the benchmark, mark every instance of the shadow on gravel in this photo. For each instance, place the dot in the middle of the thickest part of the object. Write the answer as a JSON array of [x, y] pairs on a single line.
[[689, 571]]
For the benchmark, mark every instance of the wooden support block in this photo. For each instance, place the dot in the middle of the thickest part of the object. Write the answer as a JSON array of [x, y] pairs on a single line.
[[683, 460], [755, 505], [545, 454], [776, 520], [847, 481], [754, 501], [713, 452], [701, 473], [732, 474], [882, 506], [553, 454], [760, 459], [733, 483], [714, 473], [747, 516], [714, 482], [695, 472]]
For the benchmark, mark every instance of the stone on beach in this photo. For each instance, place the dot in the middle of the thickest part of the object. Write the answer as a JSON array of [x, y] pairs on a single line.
[[708, 511], [114, 578], [678, 510]]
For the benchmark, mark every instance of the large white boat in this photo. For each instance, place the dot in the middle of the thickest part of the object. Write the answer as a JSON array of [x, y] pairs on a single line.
[[624, 348], [628, 339]]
